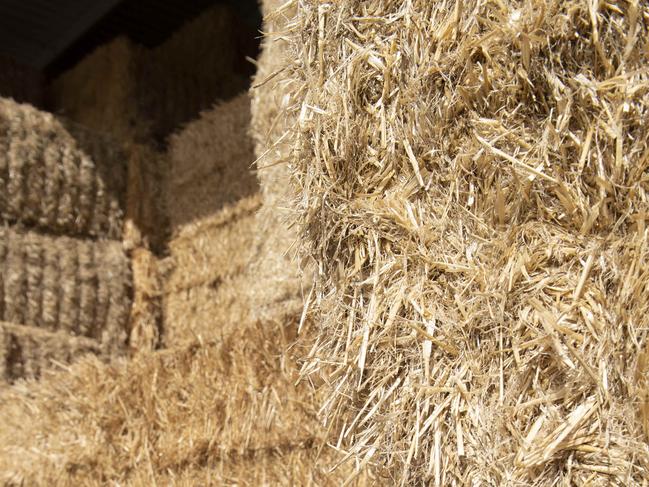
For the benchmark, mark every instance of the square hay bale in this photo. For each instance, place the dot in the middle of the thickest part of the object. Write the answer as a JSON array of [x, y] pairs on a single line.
[[139, 94], [169, 415], [62, 284], [207, 286], [214, 248], [206, 312], [173, 87], [27, 351], [101, 92], [209, 164], [472, 184], [50, 177]]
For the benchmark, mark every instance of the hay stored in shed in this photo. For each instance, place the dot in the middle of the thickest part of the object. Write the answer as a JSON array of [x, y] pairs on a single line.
[[205, 411], [101, 91], [208, 281], [80, 287], [174, 87], [54, 180], [473, 187], [210, 164], [26, 352]]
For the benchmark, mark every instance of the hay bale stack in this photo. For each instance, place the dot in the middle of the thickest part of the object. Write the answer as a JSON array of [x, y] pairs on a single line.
[[279, 278], [207, 289], [209, 164], [472, 181], [139, 94], [27, 351], [173, 87], [211, 200], [64, 284], [204, 410], [51, 179], [101, 91]]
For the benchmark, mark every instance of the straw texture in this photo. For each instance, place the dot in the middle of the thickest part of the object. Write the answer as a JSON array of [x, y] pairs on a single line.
[[472, 185], [65, 284], [209, 164], [27, 352], [212, 414], [68, 182]]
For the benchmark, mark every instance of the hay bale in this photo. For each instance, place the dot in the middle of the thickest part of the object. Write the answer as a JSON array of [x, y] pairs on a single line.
[[173, 88], [27, 352], [166, 416], [209, 164], [101, 92], [64, 284], [207, 286], [279, 280], [471, 188], [52, 179]]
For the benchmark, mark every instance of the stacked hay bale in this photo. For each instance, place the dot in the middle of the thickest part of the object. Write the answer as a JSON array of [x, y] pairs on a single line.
[[223, 413], [213, 232], [173, 88], [280, 280], [473, 187], [139, 94], [64, 279], [101, 91], [50, 178]]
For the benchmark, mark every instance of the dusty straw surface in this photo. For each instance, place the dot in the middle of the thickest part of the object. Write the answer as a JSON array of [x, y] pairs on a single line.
[[472, 185], [66, 285], [225, 413], [68, 182], [209, 164]]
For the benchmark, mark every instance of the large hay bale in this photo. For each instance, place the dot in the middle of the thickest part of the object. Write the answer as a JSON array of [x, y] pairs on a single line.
[[137, 93], [473, 187], [72, 184], [174, 87], [27, 351], [207, 286], [81, 287], [209, 164], [279, 280], [173, 415], [101, 91]]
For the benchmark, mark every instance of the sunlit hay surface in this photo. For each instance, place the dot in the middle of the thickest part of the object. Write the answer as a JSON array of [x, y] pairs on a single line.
[[473, 187], [223, 412]]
